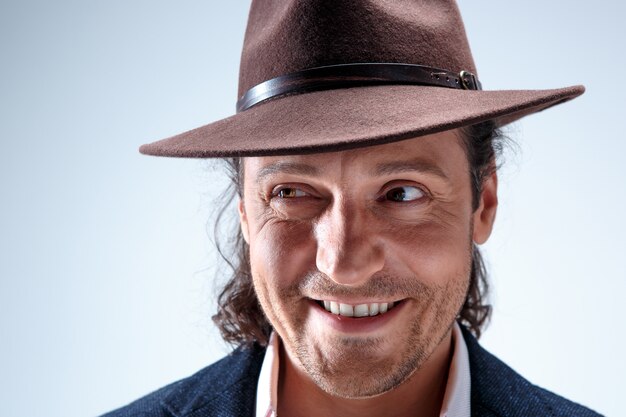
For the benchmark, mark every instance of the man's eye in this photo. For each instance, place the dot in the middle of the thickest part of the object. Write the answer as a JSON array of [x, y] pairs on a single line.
[[404, 194], [290, 192]]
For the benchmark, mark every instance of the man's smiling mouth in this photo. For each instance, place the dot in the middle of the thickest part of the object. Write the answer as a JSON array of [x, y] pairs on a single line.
[[357, 310]]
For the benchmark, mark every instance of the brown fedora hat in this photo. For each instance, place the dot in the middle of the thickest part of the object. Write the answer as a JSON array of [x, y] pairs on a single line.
[[328, 75]]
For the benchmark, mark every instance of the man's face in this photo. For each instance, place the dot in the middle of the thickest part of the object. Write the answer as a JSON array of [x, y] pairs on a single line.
[[357, 232]]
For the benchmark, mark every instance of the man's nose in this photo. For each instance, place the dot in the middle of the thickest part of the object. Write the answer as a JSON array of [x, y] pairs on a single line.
[[349, 250]]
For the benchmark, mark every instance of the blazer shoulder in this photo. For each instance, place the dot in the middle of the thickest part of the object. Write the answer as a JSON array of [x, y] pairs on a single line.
[[147, 406], [215, 388], [497, 390]]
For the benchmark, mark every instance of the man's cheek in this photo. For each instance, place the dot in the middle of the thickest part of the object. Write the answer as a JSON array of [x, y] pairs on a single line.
[[432, 252], [284, 251]]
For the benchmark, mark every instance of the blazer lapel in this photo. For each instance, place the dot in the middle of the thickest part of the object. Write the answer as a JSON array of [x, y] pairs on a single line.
[[497, 390], [224, 389]]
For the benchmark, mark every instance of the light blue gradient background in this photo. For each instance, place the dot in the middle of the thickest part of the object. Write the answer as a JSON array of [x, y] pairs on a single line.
[[105, 272]]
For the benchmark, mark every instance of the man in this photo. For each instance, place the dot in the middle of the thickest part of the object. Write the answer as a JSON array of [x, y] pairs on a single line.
[[363, 155]]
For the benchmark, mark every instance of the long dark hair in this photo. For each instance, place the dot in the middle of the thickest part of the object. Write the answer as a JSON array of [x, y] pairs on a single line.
[[239, 316]]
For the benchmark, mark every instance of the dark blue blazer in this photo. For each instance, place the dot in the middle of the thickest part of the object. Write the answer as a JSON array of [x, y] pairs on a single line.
[[228, 388]]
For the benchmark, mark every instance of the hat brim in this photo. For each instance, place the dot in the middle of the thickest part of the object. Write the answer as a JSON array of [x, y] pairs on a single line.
[[341, 119]]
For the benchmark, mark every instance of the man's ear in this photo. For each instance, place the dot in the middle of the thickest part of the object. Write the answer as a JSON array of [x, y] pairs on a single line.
[[243, 221], [485, 214]]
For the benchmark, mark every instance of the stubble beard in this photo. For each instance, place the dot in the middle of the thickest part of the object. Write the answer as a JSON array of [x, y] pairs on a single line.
[[354, 368]]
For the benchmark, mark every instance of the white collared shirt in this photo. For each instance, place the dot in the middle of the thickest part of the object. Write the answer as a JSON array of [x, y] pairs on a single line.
[[456, 400]]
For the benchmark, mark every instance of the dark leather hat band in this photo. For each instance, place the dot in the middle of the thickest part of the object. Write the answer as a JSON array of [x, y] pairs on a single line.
[[355, 75]]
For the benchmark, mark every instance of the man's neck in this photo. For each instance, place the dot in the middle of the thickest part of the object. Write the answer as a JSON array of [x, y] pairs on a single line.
[[420, 396]]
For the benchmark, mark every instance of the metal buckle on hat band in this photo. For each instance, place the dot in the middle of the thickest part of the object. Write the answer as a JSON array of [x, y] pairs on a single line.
[[355, 75], [469, 81]]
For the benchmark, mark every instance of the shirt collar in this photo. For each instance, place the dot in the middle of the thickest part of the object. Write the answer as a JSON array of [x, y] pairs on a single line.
[[267, 387], [456, 400]]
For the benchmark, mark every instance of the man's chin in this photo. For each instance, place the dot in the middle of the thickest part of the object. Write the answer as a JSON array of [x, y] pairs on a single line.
[[358, 368], [366, 382]]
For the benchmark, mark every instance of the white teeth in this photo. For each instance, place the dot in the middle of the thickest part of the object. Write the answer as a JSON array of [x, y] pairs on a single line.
[[346, 310], [360, 310], [373, 309]]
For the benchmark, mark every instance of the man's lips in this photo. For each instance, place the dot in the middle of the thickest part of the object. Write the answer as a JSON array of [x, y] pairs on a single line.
[[357, 309], [353, 324]]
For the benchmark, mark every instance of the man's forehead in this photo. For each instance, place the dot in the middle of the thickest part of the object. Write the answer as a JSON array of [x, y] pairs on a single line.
[[432, 154]]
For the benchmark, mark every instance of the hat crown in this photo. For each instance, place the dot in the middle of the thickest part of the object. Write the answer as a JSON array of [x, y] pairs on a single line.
[[285, 36]]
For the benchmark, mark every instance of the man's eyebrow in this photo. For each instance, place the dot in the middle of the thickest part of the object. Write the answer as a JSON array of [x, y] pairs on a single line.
[[388, 168], [415, 165], [283, 167]]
